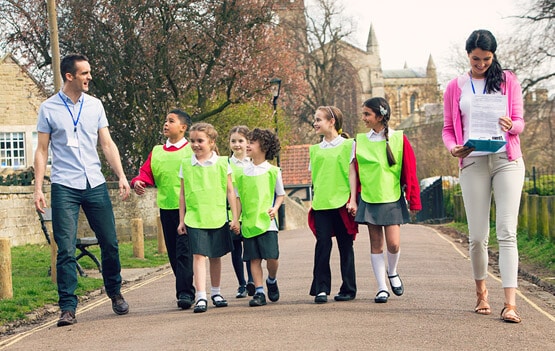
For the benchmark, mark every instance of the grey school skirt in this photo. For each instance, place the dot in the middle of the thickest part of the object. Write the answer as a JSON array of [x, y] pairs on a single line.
[[212, 243], [383, 214]]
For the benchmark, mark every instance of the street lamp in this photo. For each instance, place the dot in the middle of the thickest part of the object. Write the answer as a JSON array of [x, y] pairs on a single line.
[[275, 84]]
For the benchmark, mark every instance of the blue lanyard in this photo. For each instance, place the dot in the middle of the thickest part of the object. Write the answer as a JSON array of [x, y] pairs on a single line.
[[75, 121], [472, 84]]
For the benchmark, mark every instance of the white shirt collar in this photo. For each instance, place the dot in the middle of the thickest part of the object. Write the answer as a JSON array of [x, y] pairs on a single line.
[[211, 161], [239, 162], [328, 144], [177, 145]]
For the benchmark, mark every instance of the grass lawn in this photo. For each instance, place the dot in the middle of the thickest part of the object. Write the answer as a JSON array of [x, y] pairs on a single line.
[[33, 287]]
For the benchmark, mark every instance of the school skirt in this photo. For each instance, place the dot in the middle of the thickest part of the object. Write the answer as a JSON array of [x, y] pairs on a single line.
[[212, 243], [383, 214]]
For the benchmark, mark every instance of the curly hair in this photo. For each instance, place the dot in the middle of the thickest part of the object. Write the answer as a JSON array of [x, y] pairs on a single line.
[[269, 142]]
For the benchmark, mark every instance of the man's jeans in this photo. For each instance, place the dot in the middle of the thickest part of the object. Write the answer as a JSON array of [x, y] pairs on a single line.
[[97, 206]]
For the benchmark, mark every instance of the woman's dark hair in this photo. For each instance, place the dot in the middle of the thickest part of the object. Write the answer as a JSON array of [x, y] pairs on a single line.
[[269, 142], [380, 107], [483, 39]]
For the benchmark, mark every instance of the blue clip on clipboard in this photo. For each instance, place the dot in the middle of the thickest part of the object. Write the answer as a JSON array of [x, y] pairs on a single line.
[[485, 144]]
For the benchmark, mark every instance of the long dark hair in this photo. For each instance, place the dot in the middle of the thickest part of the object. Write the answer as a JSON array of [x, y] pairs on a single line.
[[380, 107], [483, 39]]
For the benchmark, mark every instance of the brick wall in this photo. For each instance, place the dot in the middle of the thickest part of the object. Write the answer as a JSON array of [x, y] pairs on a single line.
[[20, 223]]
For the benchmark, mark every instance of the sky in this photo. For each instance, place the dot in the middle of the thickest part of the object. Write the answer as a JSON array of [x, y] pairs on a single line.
[[410, 30]]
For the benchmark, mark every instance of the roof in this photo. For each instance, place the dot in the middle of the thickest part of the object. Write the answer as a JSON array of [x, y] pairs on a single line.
[[404, 73], [294, 163]]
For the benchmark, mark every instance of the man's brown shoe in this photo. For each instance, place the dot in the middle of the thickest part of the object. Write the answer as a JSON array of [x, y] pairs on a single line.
[[67, 318]]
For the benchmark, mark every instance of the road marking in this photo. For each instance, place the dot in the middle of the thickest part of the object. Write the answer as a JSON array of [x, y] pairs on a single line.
[[531, 303], [88, 307]]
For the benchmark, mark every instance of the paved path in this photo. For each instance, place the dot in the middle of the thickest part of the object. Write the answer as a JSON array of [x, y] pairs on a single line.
[[435, 313]]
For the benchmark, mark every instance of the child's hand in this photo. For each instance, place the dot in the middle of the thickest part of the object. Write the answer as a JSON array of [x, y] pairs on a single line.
[[352, 207], [272, 213], [181, 229], [139, 187], [235, 227]]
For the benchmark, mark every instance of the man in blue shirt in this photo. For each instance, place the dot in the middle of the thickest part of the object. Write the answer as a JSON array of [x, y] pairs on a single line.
[[73, 123]]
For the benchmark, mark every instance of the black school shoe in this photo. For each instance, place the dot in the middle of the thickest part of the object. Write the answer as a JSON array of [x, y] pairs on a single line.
[[397, 290], [259, 299], [273, 291], [343, 297], [321, 299], [184, 302], [221, 302], [381, 296], [201, 306]]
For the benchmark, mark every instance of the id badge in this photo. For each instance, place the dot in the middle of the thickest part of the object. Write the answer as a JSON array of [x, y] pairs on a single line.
[[72, 142]]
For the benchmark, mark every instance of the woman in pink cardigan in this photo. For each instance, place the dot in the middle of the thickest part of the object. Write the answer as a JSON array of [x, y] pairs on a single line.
[[482, 172]]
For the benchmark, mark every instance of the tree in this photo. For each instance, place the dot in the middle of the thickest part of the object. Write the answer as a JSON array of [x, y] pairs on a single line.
[[151, 55], [319, 37], [532, 47]]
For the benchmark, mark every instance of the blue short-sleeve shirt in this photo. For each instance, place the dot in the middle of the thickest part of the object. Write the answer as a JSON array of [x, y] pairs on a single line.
[[74, 147]]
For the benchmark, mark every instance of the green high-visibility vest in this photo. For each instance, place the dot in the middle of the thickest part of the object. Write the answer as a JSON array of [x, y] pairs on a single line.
[[380, 182], [205, 190], [257, 196], [165, 169], [330, 175]]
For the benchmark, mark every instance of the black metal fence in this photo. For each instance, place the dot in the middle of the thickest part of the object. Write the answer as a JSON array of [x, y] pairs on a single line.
[[540, 181], [437, 198]]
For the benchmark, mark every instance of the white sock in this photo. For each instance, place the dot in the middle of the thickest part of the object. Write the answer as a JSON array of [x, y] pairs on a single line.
[[392, 261], [322, 294], [215, 290], [378, 265], [201, 295]]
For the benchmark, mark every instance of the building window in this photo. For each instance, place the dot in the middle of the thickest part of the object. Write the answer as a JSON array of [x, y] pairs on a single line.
[[12, 150]]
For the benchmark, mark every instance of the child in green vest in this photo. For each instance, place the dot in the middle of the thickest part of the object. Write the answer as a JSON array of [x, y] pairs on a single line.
[[329, 165], [260, 193], [206, 188], [161, 170], [387, 171], [238, 160]]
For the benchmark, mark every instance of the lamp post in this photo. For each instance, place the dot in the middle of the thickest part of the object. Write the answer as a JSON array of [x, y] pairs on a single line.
[[275, 84]]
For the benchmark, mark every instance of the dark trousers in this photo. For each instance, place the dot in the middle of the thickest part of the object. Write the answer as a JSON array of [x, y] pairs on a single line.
[[328, 222], [179, 253], [238, 263], [97, 207]]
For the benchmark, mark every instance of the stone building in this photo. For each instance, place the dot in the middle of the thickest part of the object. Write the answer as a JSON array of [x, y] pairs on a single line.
[[409, 91], [20, 99]]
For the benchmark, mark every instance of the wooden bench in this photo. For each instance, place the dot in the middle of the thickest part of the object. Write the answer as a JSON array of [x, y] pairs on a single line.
[[82, 244]]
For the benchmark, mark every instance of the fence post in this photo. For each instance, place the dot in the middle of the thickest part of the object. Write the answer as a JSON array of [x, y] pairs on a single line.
[[138, 238], [53, 259], [532, 215], [6, 288], [551, 209], [160, 235], [543, 218], [523, 213]]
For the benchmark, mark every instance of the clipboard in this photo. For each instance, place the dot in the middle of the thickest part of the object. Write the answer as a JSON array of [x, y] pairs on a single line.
[[488, 145]]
